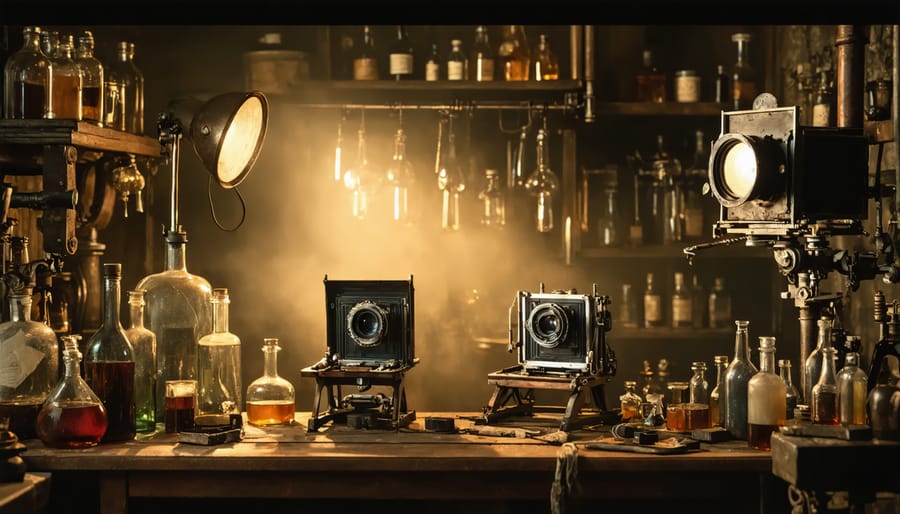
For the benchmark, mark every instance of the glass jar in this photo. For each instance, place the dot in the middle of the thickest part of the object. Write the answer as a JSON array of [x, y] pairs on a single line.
[[26, 79], [675, 408], [721, 362], [630, 403], [29, 365], [219, 363], [143, 342], [514, 53], [792, 395], [823, 408], [92, 108], [687, 86], [270, 398], [72, 416], [852, 388], [733, 394], [766, 398]]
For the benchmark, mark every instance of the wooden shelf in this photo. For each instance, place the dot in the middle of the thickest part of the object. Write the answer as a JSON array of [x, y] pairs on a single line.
[[735, 251], [76, 133]]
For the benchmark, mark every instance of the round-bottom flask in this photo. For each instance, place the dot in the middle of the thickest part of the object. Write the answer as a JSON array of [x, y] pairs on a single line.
[[270, 398]]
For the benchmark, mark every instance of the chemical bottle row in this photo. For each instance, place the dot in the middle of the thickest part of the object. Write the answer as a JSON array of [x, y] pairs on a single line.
[[688, 306]]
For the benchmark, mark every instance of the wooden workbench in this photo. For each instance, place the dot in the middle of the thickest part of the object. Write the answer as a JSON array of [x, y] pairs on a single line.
[[411, 469]]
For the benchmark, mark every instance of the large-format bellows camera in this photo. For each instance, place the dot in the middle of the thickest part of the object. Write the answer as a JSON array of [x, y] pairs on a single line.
[[773, 177], [564, 331], [370, 323]]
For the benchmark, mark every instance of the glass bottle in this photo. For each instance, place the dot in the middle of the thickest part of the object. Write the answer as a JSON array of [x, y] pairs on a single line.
[[143, 342], [653, 310], [400, 177], [124, 96], [109, 362], [882, 407], [451, 181], [481, 63], [178, 311], [628, 316], [219, 363], [543, 184], [694, 179], [766, 398], [823, 408], [743, 77], [812, 368], [361, 179], [792, 395], [722, 94], [546, 64], [73, 416], [650, 82], [29, 365], [433, 64], [675, 409], [514, 53], [91, 79], [698, 303], [682, 304], [715, 412], [697, 411], [365, 63], [607, 224], [270, 398], [823, 114], [852, 391], [493, 201], [26, 79], [66, 81], [400, 56], [50, 47], [456, 61], [719, 304], [630, 403], [733, 393]]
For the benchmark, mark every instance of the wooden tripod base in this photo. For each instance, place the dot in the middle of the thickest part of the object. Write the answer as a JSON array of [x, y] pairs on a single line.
[[330, 380], [514, 396]]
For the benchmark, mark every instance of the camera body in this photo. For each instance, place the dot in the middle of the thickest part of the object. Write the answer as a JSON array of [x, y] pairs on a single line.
[[370, 323], [773, 177], [564, 332]]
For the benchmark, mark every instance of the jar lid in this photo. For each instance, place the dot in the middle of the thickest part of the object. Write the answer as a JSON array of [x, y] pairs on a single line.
[[685, 73]]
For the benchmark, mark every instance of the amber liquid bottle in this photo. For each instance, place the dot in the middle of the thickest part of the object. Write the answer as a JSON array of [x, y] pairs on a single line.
[[766, 398], [270, 398]]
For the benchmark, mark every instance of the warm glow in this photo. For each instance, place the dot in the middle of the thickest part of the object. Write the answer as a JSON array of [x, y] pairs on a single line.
[[739, 170], [240, 140]]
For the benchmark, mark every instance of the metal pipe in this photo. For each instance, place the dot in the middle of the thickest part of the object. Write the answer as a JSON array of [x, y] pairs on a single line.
[[589, 74], [850, 43], [174, 156], [576, 48], [895, 113], [437, 107]]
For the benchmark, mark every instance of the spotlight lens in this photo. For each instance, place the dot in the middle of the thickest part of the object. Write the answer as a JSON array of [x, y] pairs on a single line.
[[739, 170]]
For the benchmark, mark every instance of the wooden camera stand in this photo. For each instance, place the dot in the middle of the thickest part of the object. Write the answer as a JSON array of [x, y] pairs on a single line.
[[332, 379], [514, 396]]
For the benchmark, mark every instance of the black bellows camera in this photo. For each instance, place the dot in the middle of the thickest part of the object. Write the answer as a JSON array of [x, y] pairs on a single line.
[[370, 323], [564, 331], [773, 177]]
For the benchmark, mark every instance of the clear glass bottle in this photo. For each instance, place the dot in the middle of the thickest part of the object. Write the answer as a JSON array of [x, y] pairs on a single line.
[[695, 177], [481, 62], [719, 305], [400, 178], [543, 184], [26, 79], [733, 393], [812, 368], [546, 64], [698, 303], [852, 388], [882, 406], [743, 76], [493, 200], [823, 408], [365, 63], [219, 363], [72, 416], [630, 403], [143, 342], [628, 315], [792, 395], [514, 53], [50, 47], [178, 312], [67, 81], [653, 306], [715, 412], [697, 411], [109, 362], [270, 398], [682, 303], [823, 112], [722, 93], [675, 408], [433, 64], [124, 96], [92, 79], [400, 56], [650, 82], [456, 61], [607, 225], [29, 365], [451, 182], [766, 398], [361, 179]]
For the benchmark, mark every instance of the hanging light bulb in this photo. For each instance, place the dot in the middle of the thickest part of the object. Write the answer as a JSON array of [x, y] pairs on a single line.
[[338, 150], [543, 183], [451, 182], [361, 179], [400, 176]]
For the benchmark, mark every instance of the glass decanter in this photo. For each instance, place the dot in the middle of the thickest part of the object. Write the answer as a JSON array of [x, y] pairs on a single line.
[[143, 342], [543, 184], [270, 398], [219, 368], [73, 416]]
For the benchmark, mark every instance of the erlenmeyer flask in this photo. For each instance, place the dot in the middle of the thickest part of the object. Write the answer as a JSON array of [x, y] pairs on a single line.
[[543, 184]]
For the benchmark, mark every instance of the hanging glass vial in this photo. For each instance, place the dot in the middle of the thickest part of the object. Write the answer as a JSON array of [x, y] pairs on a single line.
[[29, 365], [734, 388], [543, 183], [792, 395], [72, 416], [823, 408], [219, 368], [26, 79], [493, 201], [400, 177], [143, 342], [109, 362], [766, 398], [715, 411], [812, 368], [270, 398], [361, 179], [852, 391], [883, 405], [450, 178], [92, 79]]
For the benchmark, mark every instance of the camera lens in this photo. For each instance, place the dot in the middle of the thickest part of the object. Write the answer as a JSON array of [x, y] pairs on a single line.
[[547, 325], [367, 323]]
